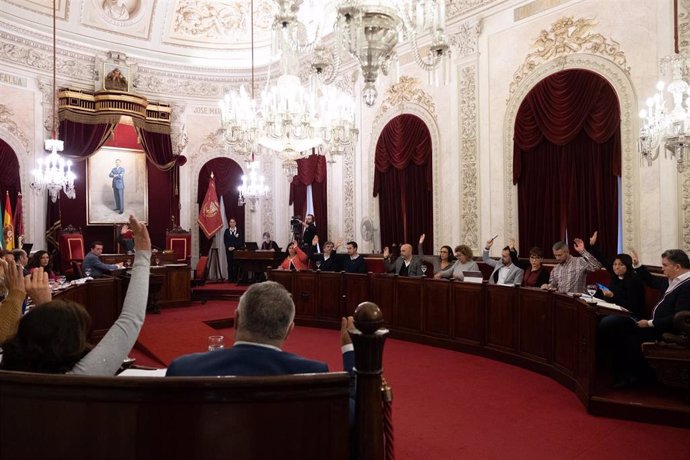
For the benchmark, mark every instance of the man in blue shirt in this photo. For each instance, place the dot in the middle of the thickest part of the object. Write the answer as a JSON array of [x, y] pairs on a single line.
[[118, 175], [92, 265]]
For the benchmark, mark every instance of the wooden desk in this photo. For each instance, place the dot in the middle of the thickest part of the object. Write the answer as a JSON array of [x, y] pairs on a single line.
[[257, 261], [102, 298]]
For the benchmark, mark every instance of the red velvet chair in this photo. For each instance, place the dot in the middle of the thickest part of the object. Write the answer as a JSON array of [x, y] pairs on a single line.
[[71, 247], [179, 241]]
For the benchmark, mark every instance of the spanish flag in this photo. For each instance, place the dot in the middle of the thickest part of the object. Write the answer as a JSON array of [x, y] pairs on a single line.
[[210, 219], [7, 225]]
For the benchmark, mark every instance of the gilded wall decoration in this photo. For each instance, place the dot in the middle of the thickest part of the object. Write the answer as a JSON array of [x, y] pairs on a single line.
[[267, 201], [464, 41], [469, 156], [8, 124], [349, 197], [406, 91], [565, 37], [684, 25]]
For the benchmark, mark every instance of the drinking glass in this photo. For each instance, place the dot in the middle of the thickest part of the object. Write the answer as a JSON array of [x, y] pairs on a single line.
[[591, 290], [61, 280], [216, 342], [318, 264], [423, 270], [87, 272]]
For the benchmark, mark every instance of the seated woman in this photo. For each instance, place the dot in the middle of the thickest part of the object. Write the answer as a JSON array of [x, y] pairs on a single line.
[[52, 337], [443, 261], [42, 259], [463, 264], [535, 273], [268, 244], [296, 258]]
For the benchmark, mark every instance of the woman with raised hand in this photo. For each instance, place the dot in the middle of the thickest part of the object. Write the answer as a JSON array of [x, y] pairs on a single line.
[[296, 258], [444, 260], [52, 337]]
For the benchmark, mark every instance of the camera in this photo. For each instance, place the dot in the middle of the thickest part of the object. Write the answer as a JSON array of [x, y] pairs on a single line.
[[295, 220]]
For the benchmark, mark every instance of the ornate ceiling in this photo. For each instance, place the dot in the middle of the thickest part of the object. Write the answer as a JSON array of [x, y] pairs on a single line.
[[199, 33]]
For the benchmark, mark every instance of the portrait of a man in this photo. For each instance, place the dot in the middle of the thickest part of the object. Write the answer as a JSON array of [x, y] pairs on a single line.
[[117, 185]]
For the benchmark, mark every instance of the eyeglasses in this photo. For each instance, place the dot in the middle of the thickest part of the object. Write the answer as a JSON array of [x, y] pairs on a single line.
[[535, 257]]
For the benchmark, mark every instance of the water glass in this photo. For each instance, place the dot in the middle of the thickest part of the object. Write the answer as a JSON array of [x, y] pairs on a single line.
[[591, 290], [318, 264], [216, 342], [423, 270]]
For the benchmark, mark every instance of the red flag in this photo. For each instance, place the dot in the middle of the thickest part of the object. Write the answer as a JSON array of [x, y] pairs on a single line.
[[210, 219], [19, 218], [7, 225]]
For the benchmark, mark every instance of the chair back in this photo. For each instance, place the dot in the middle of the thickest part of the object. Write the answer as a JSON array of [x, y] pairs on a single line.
[[71, 247], [179, 241], [76, 269]]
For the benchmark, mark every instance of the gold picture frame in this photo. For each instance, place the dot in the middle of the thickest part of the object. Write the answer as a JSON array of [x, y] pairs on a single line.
[[101, 183]]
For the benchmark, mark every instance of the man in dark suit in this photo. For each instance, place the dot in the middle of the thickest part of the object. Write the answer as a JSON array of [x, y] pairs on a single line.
[[405, 265], [354, 263], [233, 241], [675, 292], [263, 321], [326, 261]]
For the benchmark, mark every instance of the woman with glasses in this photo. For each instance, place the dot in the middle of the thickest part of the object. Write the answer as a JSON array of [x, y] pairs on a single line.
[[535, 273], [443, 261]]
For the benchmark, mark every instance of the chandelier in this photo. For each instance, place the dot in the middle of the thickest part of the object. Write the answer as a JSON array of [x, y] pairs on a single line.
[[670, 128], [253, 185], [290, 119], [54, 174], [369, 30]]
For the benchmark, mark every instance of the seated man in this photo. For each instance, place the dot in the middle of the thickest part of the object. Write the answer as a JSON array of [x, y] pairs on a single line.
[[570, 274], [92, 265], [263, 321], [328, 260], [405, 265], [354, 263], [504, 272]]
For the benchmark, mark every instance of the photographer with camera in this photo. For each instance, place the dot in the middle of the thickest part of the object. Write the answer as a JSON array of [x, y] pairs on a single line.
[[309, 225]]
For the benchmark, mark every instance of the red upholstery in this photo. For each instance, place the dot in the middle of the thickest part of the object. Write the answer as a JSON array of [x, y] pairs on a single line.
[[180, 242], [71, 247], [200, 271], [375, 264]]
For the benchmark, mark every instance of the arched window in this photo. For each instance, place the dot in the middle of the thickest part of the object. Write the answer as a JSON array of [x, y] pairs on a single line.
[[403, 182], [567, 161]]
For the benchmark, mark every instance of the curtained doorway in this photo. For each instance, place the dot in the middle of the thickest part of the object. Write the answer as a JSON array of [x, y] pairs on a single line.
[[403, 182], [567, 162], [228, 175]]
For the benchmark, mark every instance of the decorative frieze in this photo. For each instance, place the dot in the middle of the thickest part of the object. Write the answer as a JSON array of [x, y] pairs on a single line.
[[406, 91], [469, 155], [8, 124], [464, 41]]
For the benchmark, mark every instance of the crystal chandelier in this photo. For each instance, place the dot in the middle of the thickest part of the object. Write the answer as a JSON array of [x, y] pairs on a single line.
[[337, 120], [253, 185], [54, 174], [664, 127], [369, 30]]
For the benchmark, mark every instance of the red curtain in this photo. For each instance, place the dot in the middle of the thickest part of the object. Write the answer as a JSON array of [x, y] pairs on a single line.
[[228, 176], [83, 140], [403, 182], [9, 179], [567, 160], [312, 171]]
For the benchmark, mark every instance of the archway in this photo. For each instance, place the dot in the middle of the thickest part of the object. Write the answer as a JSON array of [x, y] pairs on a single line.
[[10, 185], [403, 182]]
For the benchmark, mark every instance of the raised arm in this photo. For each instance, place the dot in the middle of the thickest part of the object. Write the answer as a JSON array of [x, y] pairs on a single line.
[[107, 356], [591, 263], [11, 307]]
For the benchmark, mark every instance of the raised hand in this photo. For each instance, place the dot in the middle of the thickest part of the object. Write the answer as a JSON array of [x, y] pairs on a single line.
[[38, 287], [13, 276], [346, 324], [315, 240], [511, 243], [579, 245], [490, 243], [593, 238], [421, 238], [386, 253], [635, 258], [142, 240]]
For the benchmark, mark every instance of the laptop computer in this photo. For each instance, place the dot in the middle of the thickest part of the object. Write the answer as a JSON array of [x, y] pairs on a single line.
[[251, 246]]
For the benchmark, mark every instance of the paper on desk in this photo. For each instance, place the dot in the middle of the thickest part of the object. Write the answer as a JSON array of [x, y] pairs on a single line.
[[143, 373], [612, 306]]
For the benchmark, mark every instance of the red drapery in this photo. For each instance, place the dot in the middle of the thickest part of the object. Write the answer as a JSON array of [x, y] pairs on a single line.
[[83, 140], [567, 160], [312, 171], [228, 175], [10, 180], [403, 182]]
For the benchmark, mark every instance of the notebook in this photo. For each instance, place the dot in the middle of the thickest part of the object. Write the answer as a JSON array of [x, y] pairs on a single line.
[[472, 276]]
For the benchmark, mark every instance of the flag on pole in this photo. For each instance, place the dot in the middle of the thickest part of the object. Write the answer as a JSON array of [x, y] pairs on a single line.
[[19, 220], [210, 219], [7, 225], [2, 238]]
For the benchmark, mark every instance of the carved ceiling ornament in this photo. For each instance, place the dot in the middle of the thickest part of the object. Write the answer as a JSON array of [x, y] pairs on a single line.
[[464, 41], [458, 7], [567, 36], [405, 91], [8, 124], [214, 20]]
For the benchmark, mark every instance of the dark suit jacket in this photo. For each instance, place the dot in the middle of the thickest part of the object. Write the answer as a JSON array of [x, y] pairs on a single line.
[[333, 264], [670, 304], [235, 241], [309, 234], [415, 268], [249, 360], [357, 265]]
